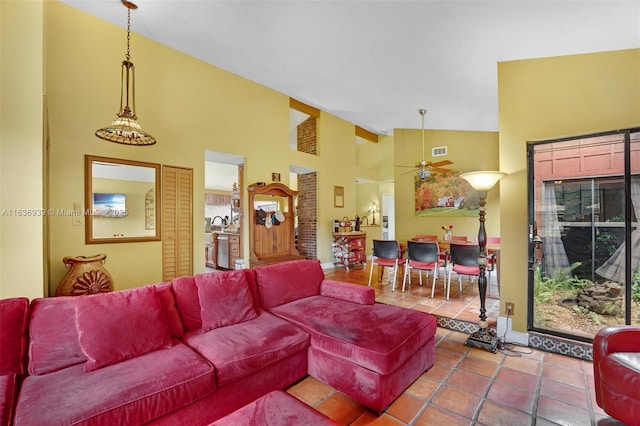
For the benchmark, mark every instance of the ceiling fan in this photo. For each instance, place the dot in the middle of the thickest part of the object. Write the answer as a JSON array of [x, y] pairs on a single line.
[[424, 168]]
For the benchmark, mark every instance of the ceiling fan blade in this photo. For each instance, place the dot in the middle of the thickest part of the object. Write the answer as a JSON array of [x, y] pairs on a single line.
[[440, 170], [410, 171], [396, 165], [440, 163]]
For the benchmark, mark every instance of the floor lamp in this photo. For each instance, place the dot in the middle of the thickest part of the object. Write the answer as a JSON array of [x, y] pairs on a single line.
[[484, 337]]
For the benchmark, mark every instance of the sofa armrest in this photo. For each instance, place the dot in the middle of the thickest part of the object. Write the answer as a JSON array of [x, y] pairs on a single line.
[[617, 338], [346, 291]]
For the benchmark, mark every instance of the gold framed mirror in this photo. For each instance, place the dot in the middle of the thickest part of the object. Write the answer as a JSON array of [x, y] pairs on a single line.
[[121, 200]]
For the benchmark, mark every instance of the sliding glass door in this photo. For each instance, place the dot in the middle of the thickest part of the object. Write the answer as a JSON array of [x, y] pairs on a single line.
[[584, 207]]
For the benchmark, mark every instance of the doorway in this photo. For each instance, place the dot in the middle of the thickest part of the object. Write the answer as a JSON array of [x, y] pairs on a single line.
[[223, 218], [584, 210], [388, 217]]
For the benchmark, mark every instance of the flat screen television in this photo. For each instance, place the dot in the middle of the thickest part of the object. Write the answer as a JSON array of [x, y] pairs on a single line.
[[109, 205]]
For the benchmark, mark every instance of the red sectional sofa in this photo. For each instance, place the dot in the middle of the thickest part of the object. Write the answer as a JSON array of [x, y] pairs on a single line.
[[616, 372], [196, 349]]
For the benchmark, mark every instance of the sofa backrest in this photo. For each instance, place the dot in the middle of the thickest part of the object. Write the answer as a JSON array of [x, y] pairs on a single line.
[[186, 293], [53, 341], [285, 282], [14, 316]]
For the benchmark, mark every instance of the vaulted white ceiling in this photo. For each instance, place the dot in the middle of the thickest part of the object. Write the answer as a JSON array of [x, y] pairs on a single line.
[[375, 63]]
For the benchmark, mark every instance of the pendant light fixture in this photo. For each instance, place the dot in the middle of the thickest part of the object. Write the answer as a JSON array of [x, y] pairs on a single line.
[[125, 129]]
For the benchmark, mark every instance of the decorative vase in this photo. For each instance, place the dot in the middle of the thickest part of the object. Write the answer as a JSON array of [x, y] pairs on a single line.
[[447, 235], [86, 275]]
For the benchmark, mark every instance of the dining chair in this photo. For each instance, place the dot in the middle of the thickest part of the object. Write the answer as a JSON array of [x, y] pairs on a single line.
[[423, 256], [386, 253], [463, 260]]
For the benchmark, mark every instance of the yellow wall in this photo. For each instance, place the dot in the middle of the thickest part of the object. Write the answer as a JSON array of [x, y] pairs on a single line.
[[22, 165], [188, 105], [544, 99], [468, 151]]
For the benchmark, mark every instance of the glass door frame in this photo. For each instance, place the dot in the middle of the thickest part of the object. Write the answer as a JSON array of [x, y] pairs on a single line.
[[531, 196]]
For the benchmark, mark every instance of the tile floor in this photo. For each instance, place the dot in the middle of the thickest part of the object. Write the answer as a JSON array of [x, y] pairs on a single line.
[[468, 386]]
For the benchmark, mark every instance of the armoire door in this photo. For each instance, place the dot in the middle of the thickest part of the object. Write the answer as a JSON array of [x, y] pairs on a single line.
[[177, 222]]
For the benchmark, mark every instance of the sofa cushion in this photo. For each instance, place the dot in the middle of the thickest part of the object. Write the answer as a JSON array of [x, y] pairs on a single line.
[[53, 343], [170, 309], [186, 293], [134, 391], [287, 281], [224, 299], [120, 325], [8, 394], [14, 315], [242, 349], [188, 302], [378, 337]]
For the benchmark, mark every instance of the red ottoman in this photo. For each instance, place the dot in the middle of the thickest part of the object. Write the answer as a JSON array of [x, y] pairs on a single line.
[[276, 408]]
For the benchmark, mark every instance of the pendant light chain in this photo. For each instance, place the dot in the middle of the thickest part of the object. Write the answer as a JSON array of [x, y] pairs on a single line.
[[128, 56], [125, 129]]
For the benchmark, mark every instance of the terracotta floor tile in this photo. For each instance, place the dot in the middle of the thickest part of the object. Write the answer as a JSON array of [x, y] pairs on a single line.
[[457, 401], [405, 407], [340, 408], [512, 396], [563, 392], [423, 388], [370, 419], [480, 366], [563, 361], [526, 365], [470, 382], [564, 375], [496, 415], [437, 416], [449, 358], [486, 355], [522, 380], [562, 413], [310, 390], [452, 345], [438, 372]]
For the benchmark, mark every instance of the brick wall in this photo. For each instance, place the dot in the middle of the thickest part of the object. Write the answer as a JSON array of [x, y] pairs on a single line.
[[307, 215], [307, 136]]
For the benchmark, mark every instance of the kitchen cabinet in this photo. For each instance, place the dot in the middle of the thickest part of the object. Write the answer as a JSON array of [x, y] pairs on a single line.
[[349, 249], [210, 251], [223, 250]]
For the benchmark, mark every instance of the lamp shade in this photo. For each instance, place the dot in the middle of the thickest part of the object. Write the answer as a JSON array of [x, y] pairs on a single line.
[[484, 180]]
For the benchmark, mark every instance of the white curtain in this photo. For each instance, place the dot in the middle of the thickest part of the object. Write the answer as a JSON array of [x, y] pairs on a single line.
[[555, 256], [614, 268]]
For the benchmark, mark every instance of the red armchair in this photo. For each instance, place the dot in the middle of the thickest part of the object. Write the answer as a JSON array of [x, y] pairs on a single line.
[[616, 370]]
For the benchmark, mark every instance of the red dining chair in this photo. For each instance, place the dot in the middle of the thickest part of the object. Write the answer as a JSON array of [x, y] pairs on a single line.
[[386, 253], [423, 256], [463, 260]]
